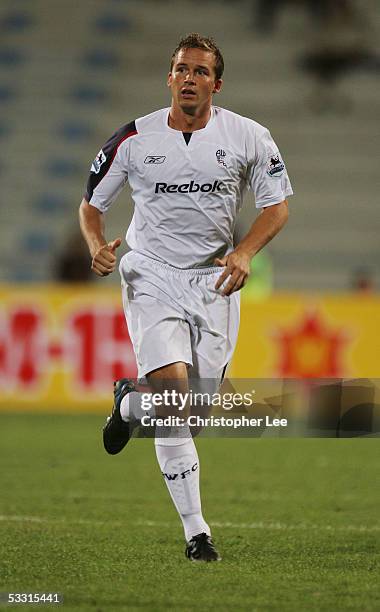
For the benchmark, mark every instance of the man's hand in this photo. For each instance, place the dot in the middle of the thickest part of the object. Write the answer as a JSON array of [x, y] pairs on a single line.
[[237, 267], [104, 259]]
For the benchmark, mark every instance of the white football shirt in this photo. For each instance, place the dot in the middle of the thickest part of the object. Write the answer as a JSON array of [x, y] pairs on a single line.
[[187, 196]]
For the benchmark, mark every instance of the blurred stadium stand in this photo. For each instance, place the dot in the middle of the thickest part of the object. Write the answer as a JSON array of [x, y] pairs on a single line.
[[72, 72]]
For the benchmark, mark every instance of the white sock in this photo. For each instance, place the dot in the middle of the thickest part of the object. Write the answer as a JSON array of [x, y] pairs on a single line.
[[130, 407], [179, 463]]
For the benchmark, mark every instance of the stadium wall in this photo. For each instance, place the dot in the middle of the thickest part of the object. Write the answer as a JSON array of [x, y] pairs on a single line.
[[62, 346]]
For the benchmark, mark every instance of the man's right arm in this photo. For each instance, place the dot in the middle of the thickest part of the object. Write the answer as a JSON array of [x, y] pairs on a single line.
[[108, 175], [92, 227]]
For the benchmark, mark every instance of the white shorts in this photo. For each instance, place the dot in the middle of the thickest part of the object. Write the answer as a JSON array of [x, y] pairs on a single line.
[[177, 315]]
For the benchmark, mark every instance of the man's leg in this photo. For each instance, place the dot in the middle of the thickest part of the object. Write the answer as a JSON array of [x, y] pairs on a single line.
[[177, 454]]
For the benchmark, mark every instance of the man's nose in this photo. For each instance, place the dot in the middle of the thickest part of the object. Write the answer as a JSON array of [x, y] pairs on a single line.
[[189, 77]]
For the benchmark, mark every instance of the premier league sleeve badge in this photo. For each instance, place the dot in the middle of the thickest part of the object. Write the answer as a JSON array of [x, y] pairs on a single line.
[[275, 165]]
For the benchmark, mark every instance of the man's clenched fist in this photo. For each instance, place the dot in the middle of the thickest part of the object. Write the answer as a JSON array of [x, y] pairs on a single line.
[[104, 259]]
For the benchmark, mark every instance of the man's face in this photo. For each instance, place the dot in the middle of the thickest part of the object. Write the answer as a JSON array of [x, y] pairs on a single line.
[[192, 80]]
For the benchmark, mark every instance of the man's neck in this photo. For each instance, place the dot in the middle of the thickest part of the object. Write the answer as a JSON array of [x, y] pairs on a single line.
[[179, 120]]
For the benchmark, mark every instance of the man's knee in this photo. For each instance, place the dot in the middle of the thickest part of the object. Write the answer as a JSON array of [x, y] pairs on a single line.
[[172, 384]]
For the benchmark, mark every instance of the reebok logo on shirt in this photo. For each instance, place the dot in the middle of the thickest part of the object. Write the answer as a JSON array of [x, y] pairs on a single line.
[[191, 187]]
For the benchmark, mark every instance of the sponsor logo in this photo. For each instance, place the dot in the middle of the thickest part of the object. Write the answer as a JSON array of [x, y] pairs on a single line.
[[154, 159], [220, 155], [98, 162], [275, 165], [191, 187], [181, 475]]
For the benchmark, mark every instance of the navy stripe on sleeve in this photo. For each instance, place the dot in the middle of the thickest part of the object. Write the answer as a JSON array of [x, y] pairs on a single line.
[[105, 157]]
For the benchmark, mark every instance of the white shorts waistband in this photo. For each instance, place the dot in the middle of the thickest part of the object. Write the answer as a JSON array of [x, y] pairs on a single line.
[[165, 266]]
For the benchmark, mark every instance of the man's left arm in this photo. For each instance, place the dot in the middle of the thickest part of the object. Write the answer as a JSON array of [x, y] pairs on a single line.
[[237, 264]]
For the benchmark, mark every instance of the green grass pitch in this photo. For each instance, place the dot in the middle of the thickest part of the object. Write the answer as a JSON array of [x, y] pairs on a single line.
[[296, 521]]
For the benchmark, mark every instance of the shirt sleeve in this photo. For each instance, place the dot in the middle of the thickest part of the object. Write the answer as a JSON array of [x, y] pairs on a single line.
[[268, 177], [109, 170]]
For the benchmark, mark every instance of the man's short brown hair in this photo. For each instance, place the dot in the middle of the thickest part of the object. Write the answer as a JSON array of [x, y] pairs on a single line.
[[196, 41]]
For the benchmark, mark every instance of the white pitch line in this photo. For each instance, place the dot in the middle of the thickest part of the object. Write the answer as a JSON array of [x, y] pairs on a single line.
[[22, 519], [275, 526], [48, 521]]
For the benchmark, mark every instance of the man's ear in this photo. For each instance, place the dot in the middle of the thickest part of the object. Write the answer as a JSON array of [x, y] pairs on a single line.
[[169, 81], [217, 86]]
